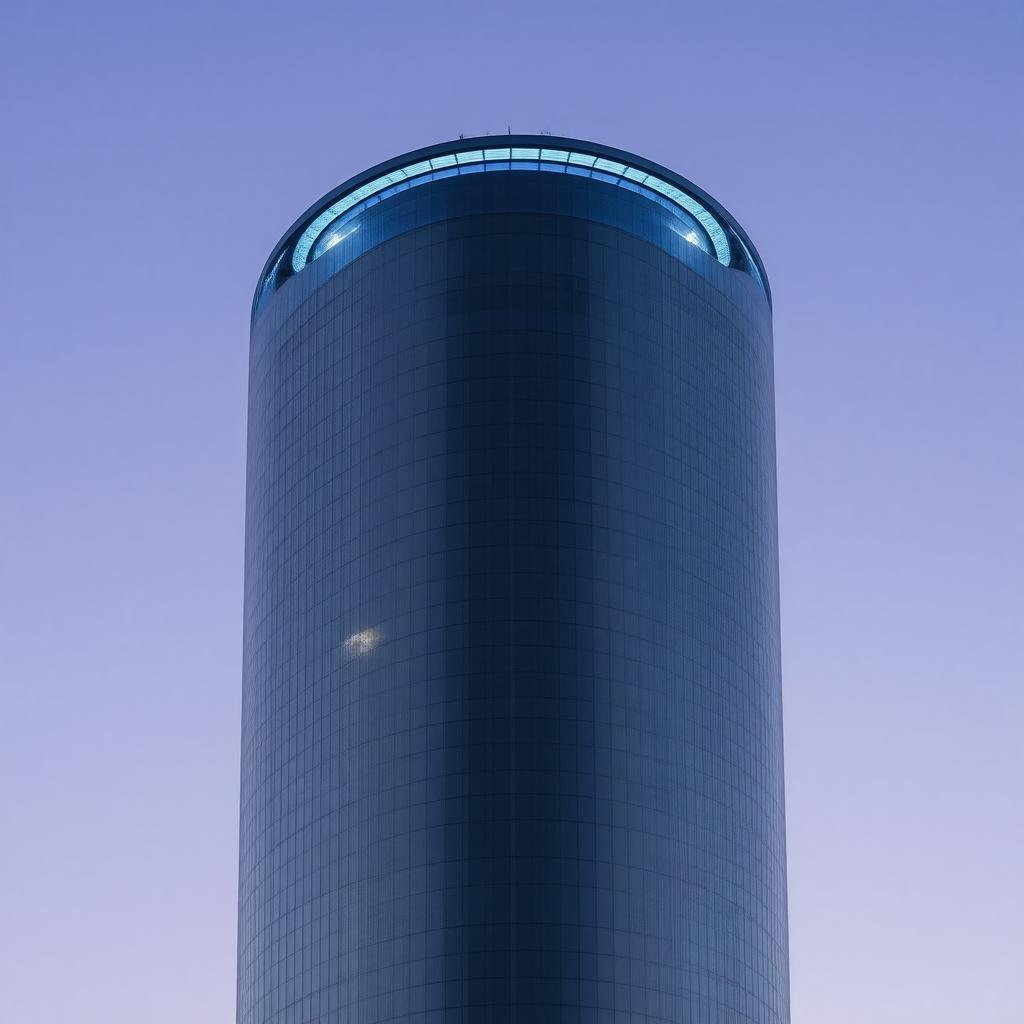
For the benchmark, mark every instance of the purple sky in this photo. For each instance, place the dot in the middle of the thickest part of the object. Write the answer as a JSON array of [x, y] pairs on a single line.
[[874, 154]]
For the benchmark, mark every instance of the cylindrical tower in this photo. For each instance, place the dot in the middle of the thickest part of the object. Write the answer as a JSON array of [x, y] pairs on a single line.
[[512, 725]]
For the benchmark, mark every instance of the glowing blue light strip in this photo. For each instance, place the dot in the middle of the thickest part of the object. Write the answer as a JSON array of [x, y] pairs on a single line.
[[336, 232], [719, 239]]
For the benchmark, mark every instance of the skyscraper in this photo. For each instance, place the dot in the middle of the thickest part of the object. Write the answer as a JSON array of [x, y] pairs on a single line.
[[512, 725]]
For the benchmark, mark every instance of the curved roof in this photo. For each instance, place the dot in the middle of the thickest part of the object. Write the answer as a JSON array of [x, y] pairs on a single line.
[[516, 152]]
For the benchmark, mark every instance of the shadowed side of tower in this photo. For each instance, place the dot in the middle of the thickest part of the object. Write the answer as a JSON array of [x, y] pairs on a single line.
[[512, 733]]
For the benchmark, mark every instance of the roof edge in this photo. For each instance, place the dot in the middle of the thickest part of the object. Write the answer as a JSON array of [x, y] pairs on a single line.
[[483, 141]]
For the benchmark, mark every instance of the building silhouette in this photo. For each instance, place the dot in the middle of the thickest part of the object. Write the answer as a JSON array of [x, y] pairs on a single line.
[[512, 725]]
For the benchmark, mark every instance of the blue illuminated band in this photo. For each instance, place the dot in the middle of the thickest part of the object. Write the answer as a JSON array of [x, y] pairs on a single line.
[[513, 158]]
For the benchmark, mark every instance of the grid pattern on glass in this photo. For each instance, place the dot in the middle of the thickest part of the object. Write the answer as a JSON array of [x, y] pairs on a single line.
[[512, 745], [518, 158]]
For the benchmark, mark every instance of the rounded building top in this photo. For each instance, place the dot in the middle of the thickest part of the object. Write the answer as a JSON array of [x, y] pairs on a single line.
[[703, 222]]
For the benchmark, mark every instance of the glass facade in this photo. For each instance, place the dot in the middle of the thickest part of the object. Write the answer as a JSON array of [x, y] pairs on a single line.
[[512, 725]]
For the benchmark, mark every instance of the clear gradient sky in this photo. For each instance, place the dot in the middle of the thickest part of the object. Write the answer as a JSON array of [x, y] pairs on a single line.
[[154, 153]]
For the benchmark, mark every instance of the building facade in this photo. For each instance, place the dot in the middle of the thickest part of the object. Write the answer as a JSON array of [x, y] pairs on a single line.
[[512, 725]]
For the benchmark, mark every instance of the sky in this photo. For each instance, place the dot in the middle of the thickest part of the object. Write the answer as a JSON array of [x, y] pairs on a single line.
[[153, 155]]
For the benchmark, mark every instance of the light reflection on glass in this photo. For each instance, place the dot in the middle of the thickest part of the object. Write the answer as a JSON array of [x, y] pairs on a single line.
[[364, 641], [339, 236]]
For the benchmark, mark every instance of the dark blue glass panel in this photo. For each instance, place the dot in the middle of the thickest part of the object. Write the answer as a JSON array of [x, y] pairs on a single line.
[[512, 736]]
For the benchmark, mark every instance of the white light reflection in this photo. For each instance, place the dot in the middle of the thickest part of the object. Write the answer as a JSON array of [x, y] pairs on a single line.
[[336, 238], [690, 236], [364, 641]]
